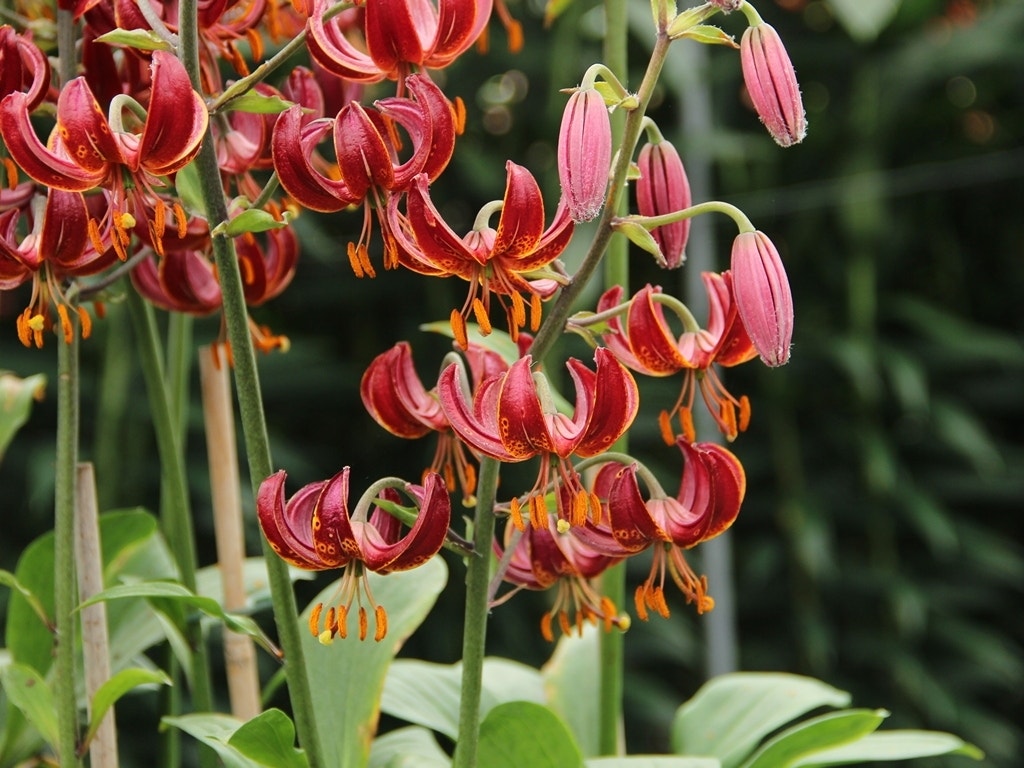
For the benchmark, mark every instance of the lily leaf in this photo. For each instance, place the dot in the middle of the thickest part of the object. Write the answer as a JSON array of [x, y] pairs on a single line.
[[269, 739], [258, 103], [409, 747], [816, 735], [572, 688], [747, 706], [251, 220], [16, 398], [522, 733], [215, 731], [351, 672], [893, 745], [116, 687], [142, 39], [29, 692]]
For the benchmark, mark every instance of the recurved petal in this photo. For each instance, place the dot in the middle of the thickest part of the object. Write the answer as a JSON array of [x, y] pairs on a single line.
[[176, 120], [385, 553], [332, 531], [687, 518], [650, 339], [399, 31], [522, 214], [288, 526], [521, 421], [477, 425], [39, 162], [437, 242], [63, 237], [329, 46], [292, 146], [390, 381], [460, 23], [364, 158], [83, 129], [615, 403], [631, 522], [729, 482]]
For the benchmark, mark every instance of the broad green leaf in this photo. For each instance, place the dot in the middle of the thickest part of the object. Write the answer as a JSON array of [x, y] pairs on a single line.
[[189, 188], [409, 747], [29, 692], [731, 714], [573, 689], [864, 19], [254, 579], [258, 103], [117, 686], [8, 579], [215, 731], [269, 739], [16, 398], [521, 733], [816, 735], [652, 761], [348, 675], [428, 694], [142, 39], [893, 745], [496, 341]]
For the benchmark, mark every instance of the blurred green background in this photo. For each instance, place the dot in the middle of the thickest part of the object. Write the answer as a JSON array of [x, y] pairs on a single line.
[[879, 546]]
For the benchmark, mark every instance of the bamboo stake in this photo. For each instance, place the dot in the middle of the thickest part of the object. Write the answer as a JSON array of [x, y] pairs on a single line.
[[221, 446], [95, 640]]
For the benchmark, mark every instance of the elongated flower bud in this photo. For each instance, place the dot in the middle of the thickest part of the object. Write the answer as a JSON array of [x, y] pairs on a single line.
[[771, 82], [763, 297], [584, 153], [663, 188]]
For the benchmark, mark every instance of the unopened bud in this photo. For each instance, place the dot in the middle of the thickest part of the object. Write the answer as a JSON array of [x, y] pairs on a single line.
[[771, 83], [584, 153], [763, 296]]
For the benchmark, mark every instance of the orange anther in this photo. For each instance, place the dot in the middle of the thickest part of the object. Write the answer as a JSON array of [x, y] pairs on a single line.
[[382, 623], [665, 426], [481, 317], [545, 627], [744, 413], [458, 323], [86, 322], [515, 511], [364, 623], [535, 312], [314, 619]]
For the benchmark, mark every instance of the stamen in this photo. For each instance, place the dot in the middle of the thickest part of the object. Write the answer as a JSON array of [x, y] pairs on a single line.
[[579, 507], [518, 311], [608, 613], [159, 219], [353, 260], [363, 623], [481, 317], [94, 235], [727, 416], [639, 600], [744, 413], [545, 627], [382, 623], [342, 621], [459, 113], [686, 422], [538, 512], [535, 312], [86, 321], [24, 331], [11, 171], [665, 426], [458, 323], [515, 511], [364, 260], [65, 324], [314, 619], [563, 622], [180, 219]]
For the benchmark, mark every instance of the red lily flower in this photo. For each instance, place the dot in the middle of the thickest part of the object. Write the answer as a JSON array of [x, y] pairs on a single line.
[[314, 530], [86, 151], [23, 67], [366, 149], [513, 260], [544, 557], [648, 345], [709, 499], [395, 397], [512, 418], [398, 35]]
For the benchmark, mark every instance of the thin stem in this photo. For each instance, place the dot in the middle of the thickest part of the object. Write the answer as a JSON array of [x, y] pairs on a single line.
[[250, 401], [65, 479], [743, 224], [475, 624]]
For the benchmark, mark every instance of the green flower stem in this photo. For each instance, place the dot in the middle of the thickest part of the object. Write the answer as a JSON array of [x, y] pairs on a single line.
[[753, 17], [743, 224], [616, 272], [177, 513], [64, 546], [554, 322], [477, 607], [65, 481], [250, 403]]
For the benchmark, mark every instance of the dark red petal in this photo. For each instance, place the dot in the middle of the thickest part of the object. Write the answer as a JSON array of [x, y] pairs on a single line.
[[631, 523], [292, 145], [176, 120], [521, 423], [288, 526], [616, 400], [379, 390], [333, 536], [522, 215], [424, 539]]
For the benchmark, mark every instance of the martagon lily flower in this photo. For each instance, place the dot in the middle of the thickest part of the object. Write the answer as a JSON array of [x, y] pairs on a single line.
[[514, 260], [512, 417], [710, 495], [86, 150], [314, 530], [647, 344]]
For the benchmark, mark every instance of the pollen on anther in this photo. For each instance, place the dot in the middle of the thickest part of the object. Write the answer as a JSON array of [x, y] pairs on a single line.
[[535, 312], [744, 413], [86, 322], [665, 426], [516, 512], [65, 323], [382, 623], [480, 313], [353, 260], [518, 311], [364, 623], [314, 619], [545, 627], [686, 421], [341, 623], [458, 323]]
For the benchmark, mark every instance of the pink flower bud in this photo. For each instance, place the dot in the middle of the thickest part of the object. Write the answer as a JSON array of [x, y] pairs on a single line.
[[771, 82], [763, 297], [663, 188], [584, 153]]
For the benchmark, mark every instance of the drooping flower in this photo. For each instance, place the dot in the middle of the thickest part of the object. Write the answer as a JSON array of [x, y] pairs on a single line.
[[86, 150], [710, 495], [647, 344], [366, 151], [772, 85], [763, 296], [314, 530], [395, 36], [512, 417], [663, 188], [23, 67], [511, 261], [584, 153]]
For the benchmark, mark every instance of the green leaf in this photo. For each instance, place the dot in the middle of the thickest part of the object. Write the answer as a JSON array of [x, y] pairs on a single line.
[[215, 731], [29, 692], [652, 761], [521, 733], [258, 104], [496, 341], [117, 686], [269, 739], [16, 398], [893, 745], [864, 19], [142, 39], [730, 714], [190, 190], [250, 220], [816, 735], [709, 34], [8, 579], [572, 688], [348, 675], [409, 747], [428, 694]]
